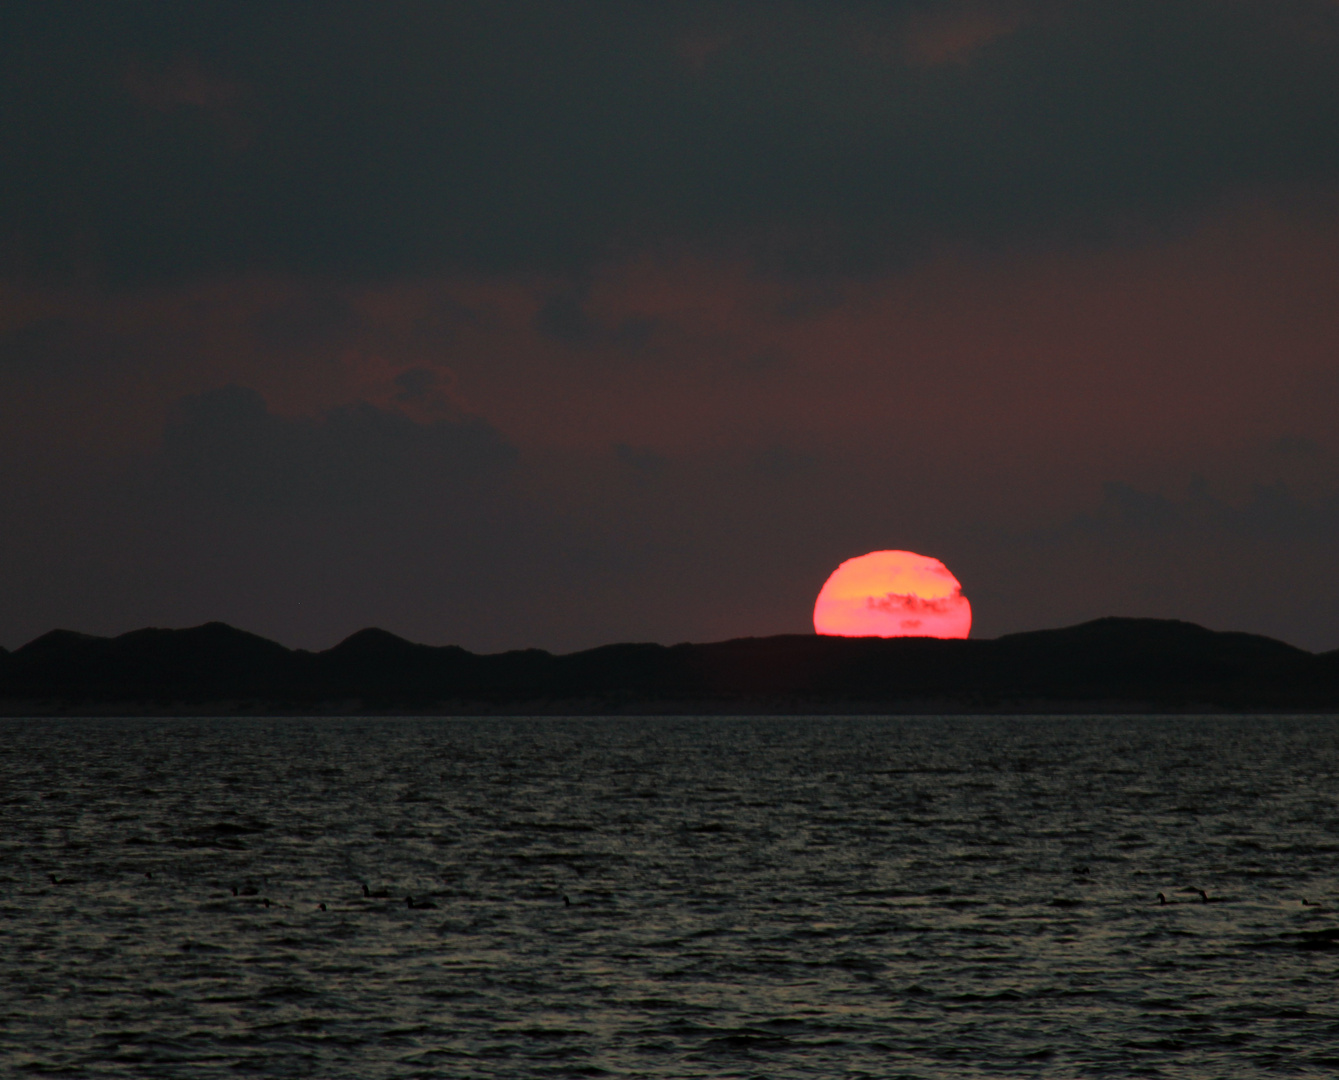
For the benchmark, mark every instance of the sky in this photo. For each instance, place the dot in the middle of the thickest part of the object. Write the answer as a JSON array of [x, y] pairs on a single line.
[[552, 324]]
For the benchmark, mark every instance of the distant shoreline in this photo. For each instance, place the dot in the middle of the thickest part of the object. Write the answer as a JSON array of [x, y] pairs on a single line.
[[9, 711], [1106, 667], [631, 710]]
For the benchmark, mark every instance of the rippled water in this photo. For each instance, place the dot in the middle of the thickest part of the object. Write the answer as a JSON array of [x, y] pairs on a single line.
[[748, 897]]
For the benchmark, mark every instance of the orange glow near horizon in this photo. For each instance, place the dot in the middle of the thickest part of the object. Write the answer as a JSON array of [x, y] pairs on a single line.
[[892, 594]]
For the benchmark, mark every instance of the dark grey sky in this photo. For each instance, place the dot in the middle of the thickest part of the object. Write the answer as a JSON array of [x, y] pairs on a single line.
[[552, 324]]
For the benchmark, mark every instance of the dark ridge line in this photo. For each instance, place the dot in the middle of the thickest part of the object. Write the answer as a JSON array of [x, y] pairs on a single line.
[[1111, 664]]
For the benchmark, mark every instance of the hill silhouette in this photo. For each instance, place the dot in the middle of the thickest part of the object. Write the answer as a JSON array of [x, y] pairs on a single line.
[[1107, 665]]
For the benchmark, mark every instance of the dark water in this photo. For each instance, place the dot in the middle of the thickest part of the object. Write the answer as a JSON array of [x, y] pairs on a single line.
[[749, 898]]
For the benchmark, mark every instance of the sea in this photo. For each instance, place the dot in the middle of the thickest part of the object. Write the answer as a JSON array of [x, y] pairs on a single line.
[[670, 897]]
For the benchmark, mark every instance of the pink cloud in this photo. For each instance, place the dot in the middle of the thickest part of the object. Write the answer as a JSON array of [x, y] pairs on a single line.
[[696, 50], [939, 38], [187, 85]]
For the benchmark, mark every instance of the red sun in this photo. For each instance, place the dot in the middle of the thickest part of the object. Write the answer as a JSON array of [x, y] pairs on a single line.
[[892, 594]]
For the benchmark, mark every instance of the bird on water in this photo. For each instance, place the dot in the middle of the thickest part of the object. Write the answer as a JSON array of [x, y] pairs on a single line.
[[1205, 898], [374, 894], [418, 905]]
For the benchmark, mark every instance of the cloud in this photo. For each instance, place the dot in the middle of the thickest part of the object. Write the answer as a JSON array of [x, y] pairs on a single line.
[[955, 34], [383, 139], [910, 604], [783, 462], [59, 340], [187, 85], [227, 444], [562, 317], [1294, 446], [1270, 511], [642, 461], [305, 322]]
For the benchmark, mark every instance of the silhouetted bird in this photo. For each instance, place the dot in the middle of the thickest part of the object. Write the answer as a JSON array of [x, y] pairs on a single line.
[[566, 902], [418, 905], [320, 907], [1311, 903], [374, 894], [1162, 899], [1205, 898], [62, 880]]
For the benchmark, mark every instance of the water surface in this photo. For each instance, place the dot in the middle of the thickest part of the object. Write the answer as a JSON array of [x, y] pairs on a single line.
[[821, 897]]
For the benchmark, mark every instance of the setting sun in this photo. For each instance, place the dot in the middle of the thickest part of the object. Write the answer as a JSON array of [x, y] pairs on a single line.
[[892, 594]]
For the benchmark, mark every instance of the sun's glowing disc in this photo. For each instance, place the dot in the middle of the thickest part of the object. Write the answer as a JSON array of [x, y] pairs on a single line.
[[892, 594]]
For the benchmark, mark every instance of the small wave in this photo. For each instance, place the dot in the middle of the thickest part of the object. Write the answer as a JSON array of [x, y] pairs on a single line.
[[229, 828]]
